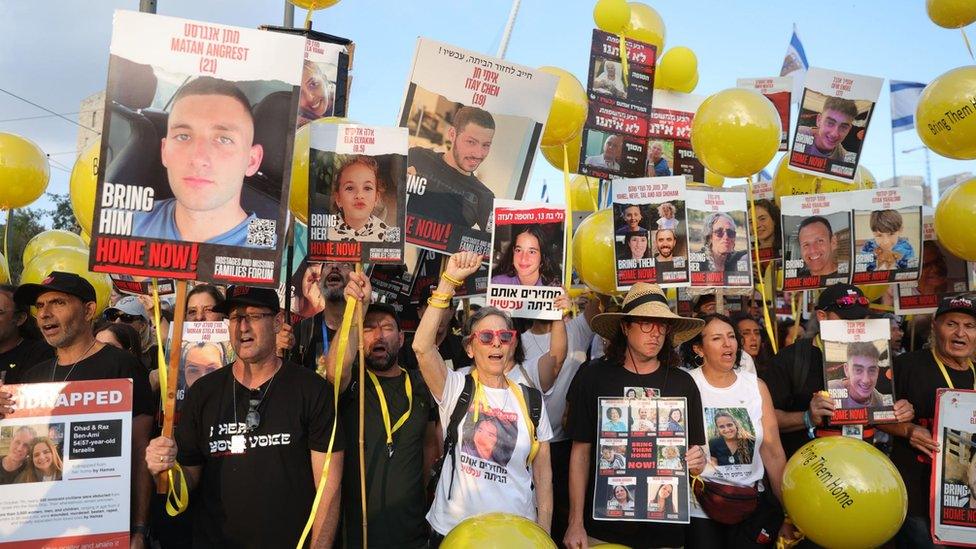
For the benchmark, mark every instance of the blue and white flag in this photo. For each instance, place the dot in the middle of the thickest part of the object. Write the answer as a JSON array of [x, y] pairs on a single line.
[[904, 99], [795, 64]]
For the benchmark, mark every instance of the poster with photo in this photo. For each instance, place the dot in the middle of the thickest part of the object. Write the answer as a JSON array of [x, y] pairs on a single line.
[[887, 234], [767, 222], [166, 207], [614, 140], [205, 348], [669, 149], [641, 473], [835, 111], [857, 370], [941, 274], [73, 441], [732, 445], [816, 240], [427, 273], [525, 275], [650, 231], [779, 91], [475, 122], [953, 484], [356, 197], [718, 239], [391, 285], [141, 285]]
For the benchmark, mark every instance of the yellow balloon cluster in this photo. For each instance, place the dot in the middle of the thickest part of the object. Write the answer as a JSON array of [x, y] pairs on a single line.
[[24, 171], [53, 238], [951, 14], [713, 179], [787, 182], [81, 188], [497, 531], [736, 132], [585, 192], [646, 26], [611, 15], [568, 111], [69, 260], [4, 270], [677, 70], [313, 5], [941, 119], [555, 153], [955, 217], [594, 236], [298, 197]]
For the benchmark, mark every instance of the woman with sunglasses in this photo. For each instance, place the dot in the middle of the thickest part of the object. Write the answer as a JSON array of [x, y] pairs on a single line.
[[503, 481], [718, 236]]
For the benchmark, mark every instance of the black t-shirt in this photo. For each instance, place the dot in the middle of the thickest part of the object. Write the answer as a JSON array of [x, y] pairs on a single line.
[[107, 363], [602, 378], [308, 338], [917, 377], [449, 195], [24, 356], [396, 497], [261, 497], [8, 477]]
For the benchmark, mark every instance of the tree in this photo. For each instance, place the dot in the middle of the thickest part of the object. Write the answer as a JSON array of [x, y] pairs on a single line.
[[63, 216], [25, 224]]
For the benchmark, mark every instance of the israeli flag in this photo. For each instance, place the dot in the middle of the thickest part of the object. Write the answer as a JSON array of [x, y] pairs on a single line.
[[904, 99], [795, 64]]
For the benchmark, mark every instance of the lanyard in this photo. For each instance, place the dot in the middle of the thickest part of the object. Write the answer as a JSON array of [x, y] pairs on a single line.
[[386, 411], [945, 374], [479, 395]]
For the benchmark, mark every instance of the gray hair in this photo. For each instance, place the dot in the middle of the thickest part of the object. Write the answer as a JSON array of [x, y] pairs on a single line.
[[706, 231]]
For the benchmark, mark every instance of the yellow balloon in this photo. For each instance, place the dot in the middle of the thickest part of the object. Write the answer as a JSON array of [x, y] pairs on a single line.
[[677, 70], [81, 189], [611, 15], [68, 260], [646, 26], [951, 14], [944, 116], [313, 5], [955, 217], [713, 179], [298, 199], [4, 270], [24, 171], [568, 112], [593, 252], [690, 86], [554, 154], [497, 531], [51, 239], [844, 493], [736, 132], [584, 193], [874, 292], [87, 238], [864, 178]]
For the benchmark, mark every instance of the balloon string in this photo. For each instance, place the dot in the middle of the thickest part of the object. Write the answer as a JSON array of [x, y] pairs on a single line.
[[968, 46], [568, 270], [6, 256], [308, 18], [623, 59], [589, 192], [762, 279]]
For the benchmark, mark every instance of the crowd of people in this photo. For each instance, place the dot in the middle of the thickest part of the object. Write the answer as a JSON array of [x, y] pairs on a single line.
[[474, 412]]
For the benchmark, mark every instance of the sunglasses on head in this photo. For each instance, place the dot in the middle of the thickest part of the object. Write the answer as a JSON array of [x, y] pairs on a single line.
[[487, 337], [722, 232], [124, 317], [848, 301]]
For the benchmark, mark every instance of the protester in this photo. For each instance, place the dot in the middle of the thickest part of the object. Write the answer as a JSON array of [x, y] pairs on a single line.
[[522, 459], [130, 310], [44, 463], [16, 460], [450, 344], [400, 437], [754, 341], [232, 431], [19, 349], [640, 354], [120, 336], [309, 333]]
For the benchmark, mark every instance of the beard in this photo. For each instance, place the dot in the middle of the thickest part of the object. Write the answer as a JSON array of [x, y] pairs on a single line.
[[382, 363]]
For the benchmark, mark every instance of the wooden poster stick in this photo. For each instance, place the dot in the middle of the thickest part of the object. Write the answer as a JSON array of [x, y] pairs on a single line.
[[172, 374]]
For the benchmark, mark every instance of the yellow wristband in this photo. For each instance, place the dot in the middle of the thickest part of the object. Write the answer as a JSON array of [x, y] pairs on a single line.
[[438, 304], [441, 295], [457, 283]]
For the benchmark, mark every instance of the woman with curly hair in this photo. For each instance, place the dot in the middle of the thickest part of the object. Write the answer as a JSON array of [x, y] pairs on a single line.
[[43, 463], [528, 261]]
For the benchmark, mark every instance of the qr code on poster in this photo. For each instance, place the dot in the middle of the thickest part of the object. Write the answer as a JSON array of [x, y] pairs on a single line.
[[261, 233]]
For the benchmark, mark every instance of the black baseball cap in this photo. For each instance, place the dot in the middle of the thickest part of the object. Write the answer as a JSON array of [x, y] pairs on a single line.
[[248, 295], [957, 304], [57, 281], [846, 300], [385, 308]]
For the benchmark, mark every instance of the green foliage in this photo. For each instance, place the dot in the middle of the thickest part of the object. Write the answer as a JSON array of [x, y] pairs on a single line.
[[24, 225], [62, 216]]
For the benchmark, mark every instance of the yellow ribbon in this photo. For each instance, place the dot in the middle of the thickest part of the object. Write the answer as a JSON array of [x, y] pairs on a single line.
[[386, 411], [479, 397], [968, 46], [568, 271], [623, 58], [945, 374], [343, 337], [762, 281], [176, 500]]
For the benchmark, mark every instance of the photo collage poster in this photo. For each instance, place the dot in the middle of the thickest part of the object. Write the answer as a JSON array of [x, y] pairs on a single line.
[[857, 370], [779, 91], [650, 231], [835, 111], [816, 240], [475, 123], [164, 206], [669, 149], [941, 274], [357, 176], [718, 236], [641, 473], [886, 234], [614, 141], [953, 485], [525, 275]]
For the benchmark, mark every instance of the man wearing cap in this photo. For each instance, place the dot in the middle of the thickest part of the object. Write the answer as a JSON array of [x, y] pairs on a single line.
[[796, 377], [18, 350], [640, 353], [130, 310], [400, 431], [918, 375], [66, 311], [253, 438]]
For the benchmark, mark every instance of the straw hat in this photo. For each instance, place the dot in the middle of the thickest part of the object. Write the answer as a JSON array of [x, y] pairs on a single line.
[[647, 301]]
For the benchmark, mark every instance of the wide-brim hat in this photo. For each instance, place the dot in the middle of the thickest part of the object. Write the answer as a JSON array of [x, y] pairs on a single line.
[[647, 301]]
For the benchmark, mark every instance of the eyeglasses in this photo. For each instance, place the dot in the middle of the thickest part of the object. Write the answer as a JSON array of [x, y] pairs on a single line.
[[848, 301], [251, 317], [253, 418], [487, 337], [648, 326], [722, 232], [112, 316]]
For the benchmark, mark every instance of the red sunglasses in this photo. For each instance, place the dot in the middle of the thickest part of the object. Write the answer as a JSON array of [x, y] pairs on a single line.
[[487, 337], [851, 300]]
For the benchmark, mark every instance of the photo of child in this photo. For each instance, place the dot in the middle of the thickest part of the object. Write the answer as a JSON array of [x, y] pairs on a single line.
[[891, 250], [667, 219]]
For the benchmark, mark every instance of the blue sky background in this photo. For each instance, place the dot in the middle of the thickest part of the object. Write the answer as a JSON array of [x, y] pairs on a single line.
[[56, 54]]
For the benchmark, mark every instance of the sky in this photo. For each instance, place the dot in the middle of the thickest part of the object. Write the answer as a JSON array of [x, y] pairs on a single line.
[[58, 55]]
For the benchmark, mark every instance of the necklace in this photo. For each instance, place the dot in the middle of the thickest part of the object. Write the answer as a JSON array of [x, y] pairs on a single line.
[[72, 369], [253, 417]]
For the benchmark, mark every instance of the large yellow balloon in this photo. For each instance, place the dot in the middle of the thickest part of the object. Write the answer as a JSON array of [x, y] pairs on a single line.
[[51, 239], [313, 5], [646, 26], [955, 217], [951, 14], [946, 114], [787, 182], [68, 260], [298, 197], [81, 189], [611, 15], [713, 179], [554, 154], [568, 112], [677, 70], [4, 270], [497, 531], [843, 493], [736, 132], [24, 171], [584, 193], [593, 252]]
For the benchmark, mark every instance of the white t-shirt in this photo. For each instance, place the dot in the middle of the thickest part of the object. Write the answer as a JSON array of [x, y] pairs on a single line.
[[578, 335], [526, 373], [490, 473]]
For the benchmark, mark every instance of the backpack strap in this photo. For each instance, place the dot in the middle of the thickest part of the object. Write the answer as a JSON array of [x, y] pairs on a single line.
[[450, 434], [533, 400]]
